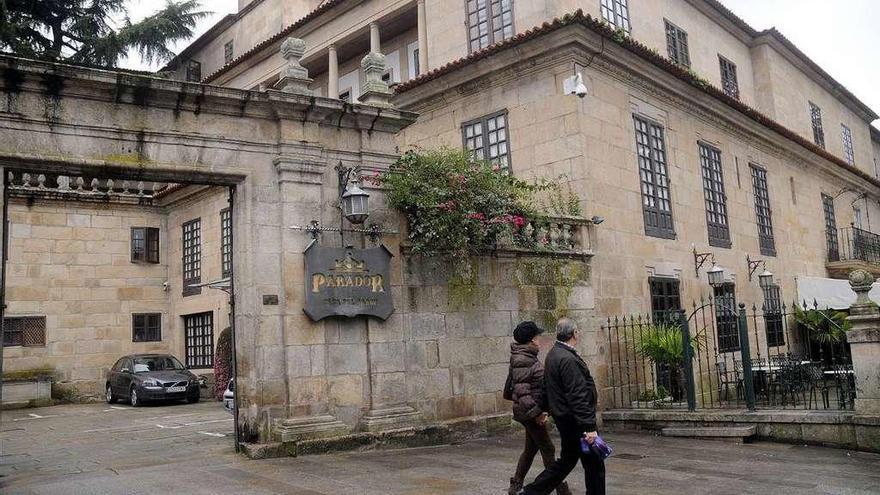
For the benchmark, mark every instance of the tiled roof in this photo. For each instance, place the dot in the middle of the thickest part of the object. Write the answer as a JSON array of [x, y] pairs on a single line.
[[321, 9], [579, 18]]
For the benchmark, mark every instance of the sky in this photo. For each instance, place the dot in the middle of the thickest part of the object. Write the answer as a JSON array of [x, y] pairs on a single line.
[[842, 36]]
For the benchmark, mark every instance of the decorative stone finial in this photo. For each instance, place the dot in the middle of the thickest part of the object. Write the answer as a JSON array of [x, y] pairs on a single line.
[[861, 282], [376, 90], [294, 77]]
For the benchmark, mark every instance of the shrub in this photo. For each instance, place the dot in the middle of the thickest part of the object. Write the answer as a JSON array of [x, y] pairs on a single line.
[[223, 362]]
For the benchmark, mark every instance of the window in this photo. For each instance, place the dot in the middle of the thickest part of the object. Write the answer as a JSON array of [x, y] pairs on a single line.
[[654, 179], [26, 331], [345, 95], [146, 327], [616, 13], [387, 77], [848, 145], [816, 120], [226, 241], [199, 333], [830, 228], [677, 44], [144, 245], [487, 138], [194, 71], [192, 256], [228, 51], [415, 63], [857, 217], [773, 317], [725, 318], [713, 192], [728, 77], [489, 21], [766, 242], [665, 298]]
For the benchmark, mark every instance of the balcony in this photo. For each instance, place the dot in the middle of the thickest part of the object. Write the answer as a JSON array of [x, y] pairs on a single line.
[[853, 248]]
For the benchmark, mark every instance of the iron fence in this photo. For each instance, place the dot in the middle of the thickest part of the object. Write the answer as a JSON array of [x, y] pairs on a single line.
[[713, 356], [856, 244]]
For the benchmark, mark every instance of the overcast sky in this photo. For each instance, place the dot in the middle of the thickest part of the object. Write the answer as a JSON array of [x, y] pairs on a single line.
[[842, 36]]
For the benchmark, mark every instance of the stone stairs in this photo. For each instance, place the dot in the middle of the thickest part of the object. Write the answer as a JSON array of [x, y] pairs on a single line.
[[736, 434]]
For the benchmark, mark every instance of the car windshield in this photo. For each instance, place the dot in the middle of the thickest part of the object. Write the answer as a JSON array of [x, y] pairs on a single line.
[[156, 363]]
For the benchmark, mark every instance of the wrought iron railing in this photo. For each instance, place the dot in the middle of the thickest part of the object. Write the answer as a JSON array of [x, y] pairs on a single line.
[[856, 244]]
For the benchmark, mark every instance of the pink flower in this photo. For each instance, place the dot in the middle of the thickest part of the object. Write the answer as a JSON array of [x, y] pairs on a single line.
[[447, 206], [518, 221], [476, 216]]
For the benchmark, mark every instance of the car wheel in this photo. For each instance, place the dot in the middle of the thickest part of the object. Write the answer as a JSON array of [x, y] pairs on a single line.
[[133, 397], [111, 399], [192, 400]]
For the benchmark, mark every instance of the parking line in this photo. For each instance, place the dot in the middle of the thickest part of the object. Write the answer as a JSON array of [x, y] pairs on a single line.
[[212, 434]]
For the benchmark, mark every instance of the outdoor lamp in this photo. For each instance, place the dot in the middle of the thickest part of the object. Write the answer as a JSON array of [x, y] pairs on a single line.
[[765, 279], [716, 276], [355, 203]]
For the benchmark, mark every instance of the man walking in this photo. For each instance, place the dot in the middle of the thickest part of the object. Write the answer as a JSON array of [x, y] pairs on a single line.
[[571, 399]]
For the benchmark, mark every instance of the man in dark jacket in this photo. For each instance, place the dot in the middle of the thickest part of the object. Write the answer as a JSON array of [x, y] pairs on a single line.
[[571, 398], [525, 387]]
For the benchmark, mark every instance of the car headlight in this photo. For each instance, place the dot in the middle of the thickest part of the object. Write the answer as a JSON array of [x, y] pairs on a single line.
[[151, 383]]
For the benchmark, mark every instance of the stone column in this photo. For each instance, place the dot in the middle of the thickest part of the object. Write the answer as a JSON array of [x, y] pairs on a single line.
[[376, 90], [294, 77], [375, 42], [864, 341], [332, 73], [423, 37]]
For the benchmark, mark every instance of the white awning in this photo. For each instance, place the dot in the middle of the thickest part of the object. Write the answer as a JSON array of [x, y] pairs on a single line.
[[830, 292]]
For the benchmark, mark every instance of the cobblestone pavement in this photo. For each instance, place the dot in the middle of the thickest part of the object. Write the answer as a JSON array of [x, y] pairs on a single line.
[[187, 449]]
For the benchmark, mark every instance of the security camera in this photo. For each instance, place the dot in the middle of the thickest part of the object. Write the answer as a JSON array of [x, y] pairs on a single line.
[[574, 85], [165, 286]]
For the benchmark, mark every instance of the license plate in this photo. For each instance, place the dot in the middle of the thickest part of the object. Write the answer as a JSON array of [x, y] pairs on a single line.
[[175, 389]]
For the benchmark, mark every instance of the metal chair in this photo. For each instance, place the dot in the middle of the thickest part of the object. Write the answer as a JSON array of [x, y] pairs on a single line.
[[725, 379]]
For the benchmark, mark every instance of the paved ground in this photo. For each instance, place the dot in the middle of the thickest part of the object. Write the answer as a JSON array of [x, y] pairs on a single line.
[[187, 449]]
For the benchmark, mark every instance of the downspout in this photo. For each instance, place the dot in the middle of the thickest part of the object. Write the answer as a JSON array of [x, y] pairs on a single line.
[[232, 319], [5, 256]]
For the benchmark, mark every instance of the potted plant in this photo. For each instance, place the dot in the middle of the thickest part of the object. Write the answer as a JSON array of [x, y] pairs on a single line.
[[662, 344]]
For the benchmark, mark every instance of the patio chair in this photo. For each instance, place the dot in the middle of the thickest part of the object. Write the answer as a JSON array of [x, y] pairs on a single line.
[[817, 383], [725, 380]]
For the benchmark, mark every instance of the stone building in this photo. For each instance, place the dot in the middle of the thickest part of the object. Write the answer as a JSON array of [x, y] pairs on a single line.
[[696, 134]]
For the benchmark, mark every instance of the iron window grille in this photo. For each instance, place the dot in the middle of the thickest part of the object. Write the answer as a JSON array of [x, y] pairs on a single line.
[[848, 145], [417, 68], [677, 44], [199, 339], [665, 298], [489, 21], [226, 241], [816, 121], [773, 317], [654, 179], [488, 138], [144, 245], [763, 213], [831, 244], [725, 318], [228, 51], [192, 256], [146, 327], [616, 13], [25, 331], [194, 71], [715, 197], [729, 83]]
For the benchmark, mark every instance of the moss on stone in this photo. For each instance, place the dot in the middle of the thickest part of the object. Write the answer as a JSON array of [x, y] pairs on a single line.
[[42, 373]]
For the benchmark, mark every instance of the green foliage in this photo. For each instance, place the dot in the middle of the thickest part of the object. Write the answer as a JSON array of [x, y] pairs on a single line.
[[83, 32], [824, 326], [620, 35], [662, 343], [223, 362], [561, 202], [651, 395], [457, 205]]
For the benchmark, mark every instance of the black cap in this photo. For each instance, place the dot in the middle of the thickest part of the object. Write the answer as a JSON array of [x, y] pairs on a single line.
[[526, 331]]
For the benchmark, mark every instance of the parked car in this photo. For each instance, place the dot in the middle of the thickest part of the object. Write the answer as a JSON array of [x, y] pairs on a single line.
[[145, 377], [229, 397]]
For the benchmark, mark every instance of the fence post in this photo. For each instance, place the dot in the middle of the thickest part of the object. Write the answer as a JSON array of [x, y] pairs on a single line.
[[746, 354], [688, 362]]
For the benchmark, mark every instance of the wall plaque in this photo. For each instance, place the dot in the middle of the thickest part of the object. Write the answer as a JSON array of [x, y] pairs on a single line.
[[347, 282]]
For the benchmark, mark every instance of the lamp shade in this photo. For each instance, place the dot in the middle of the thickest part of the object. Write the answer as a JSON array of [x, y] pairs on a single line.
[[765, 279], [355, 204], [716, 276]]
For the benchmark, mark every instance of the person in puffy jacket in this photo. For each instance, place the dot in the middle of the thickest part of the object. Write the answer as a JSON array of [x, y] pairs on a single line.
[[525, 387]]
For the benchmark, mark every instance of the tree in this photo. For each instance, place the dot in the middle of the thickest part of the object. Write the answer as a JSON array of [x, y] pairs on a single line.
[[84, 31]]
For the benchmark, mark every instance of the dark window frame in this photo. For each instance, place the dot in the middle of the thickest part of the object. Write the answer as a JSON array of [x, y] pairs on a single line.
[[677, 44], [229, 51], [832, 245], [198, 335], [616, 13], [729, 79], [773, 316], [714, 195], [191, 256], [665, 298], [816, 123], [848, 150], [15, 333], [484, 151], [226, 242], [726, 321], [146, 327], [148, 252], [763, 211], [194, 71], [494, 12], [654, 182]]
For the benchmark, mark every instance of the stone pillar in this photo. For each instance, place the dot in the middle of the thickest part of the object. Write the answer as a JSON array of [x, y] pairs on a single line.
[[376, 90], [423, 37], [294, 77], [375, 42], [332, 73], [864, 340]]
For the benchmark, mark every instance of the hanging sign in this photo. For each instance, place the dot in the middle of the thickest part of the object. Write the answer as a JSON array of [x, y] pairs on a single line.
[[347, 282]]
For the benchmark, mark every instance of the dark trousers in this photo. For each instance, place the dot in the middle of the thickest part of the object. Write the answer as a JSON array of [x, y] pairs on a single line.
[[537, 439], [594, 466]]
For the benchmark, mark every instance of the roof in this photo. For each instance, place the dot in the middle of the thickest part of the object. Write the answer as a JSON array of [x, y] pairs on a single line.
[[202, 40], [875, 133], [587, 21]]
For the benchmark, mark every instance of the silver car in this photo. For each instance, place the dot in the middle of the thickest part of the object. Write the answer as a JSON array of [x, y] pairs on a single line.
[[229, 397]]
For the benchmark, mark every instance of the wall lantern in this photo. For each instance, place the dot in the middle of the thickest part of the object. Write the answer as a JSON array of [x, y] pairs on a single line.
[[716, 275], [765, 278], [355, 203]]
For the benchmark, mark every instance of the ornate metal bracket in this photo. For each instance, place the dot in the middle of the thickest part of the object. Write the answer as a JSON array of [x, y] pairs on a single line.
[[700, 259], [753, 266]]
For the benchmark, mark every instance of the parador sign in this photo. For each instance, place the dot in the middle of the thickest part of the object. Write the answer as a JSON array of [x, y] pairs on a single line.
[[347, 282]]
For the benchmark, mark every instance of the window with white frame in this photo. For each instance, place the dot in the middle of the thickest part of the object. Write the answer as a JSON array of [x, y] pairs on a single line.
[[488, 138], [616, 13], [489, 21]]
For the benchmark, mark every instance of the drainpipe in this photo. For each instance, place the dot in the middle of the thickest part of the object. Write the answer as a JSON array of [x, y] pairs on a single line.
[[5, 255], [232, 318]]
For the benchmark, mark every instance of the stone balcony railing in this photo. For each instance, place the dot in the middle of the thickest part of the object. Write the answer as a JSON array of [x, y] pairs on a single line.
[[560, 235], [25, 184]]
